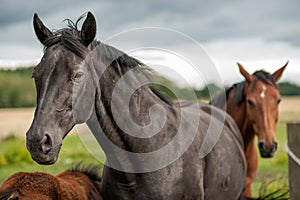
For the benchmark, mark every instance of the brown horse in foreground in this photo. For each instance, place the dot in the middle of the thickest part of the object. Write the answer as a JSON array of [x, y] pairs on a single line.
[[253, 104], [78, 183]]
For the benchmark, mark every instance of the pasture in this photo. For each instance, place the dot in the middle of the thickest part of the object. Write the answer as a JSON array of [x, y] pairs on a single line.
[[14, 156]]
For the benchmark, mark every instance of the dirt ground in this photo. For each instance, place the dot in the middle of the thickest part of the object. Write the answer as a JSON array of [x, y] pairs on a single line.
[[17, 121]]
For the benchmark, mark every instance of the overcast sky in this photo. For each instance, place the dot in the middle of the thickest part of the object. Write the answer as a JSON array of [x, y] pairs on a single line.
[[258, 34]]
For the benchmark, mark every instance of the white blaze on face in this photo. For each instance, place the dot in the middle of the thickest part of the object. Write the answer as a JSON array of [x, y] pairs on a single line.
[[262, 94]]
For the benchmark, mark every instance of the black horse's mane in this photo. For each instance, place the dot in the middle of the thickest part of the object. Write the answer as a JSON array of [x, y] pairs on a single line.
[[4, 195], [91, 171], [70, 38], [239, 88]]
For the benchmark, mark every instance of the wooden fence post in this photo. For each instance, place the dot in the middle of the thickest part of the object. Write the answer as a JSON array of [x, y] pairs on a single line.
[[293, 147]]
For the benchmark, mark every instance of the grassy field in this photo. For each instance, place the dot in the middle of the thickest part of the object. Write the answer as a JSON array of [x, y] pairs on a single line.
[[14, 156]]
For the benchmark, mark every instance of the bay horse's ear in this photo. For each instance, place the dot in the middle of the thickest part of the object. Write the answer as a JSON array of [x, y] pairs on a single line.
[[41, 31], [88, 31], [276, 75], [247, 76]]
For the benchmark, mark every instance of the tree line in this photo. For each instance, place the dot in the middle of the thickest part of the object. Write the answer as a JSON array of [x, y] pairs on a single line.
[[17, 88]]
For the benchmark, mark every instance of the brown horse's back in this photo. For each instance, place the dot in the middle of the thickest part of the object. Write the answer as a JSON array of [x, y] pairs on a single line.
[[68, 185], [24, 185], [76, 185]]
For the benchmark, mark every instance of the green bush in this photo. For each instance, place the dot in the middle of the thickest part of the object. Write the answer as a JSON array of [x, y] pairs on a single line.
[[3, 160], [13, 151], [17, 88]]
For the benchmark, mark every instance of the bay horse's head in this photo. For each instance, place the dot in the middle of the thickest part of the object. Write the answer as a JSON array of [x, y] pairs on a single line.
[[262, 99], [60, 72]]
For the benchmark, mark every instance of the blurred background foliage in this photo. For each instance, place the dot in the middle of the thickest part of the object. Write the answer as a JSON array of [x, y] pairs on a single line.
[[17, 88]]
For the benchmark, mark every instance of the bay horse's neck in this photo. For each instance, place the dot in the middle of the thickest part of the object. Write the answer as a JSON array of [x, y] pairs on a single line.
[[239, 113]]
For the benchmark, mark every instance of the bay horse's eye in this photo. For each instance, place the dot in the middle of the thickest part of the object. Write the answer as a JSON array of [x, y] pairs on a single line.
[[250, 102], [278, 101], [78, 75]]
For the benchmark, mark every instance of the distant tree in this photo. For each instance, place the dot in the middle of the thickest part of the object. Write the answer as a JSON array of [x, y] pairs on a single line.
[[207, 91], [289, 89], [17, 88]]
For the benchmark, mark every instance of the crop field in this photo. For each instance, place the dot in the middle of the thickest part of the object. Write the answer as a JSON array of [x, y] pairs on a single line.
[[14, 156]]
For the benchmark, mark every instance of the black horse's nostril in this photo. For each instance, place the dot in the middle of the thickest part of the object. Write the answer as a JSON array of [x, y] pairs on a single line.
[[46, 144]]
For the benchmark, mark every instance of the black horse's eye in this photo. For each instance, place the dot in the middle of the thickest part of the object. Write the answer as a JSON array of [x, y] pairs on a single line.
[[250, 102], [78, 75]]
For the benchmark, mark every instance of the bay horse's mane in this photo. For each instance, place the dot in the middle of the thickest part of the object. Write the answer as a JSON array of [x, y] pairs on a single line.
[[239, 88], [70, 38]]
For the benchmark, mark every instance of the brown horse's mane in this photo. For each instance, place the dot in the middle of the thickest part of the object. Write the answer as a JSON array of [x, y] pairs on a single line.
[[239, 88]]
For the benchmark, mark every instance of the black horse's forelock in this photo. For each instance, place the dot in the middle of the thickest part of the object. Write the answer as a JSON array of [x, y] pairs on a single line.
[[69, 38]]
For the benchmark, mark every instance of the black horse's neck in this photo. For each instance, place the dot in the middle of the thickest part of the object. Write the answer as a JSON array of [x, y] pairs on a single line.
[[116, 83], [129, 115], [126, 102]]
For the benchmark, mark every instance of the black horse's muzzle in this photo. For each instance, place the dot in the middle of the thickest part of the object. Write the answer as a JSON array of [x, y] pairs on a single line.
[[267, 151], [44, 150]]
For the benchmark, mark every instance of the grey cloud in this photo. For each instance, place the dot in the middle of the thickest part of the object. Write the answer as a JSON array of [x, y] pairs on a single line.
[[200, 19]]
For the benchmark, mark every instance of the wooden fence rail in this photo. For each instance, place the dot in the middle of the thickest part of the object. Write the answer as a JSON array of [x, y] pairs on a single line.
[[293, 149]]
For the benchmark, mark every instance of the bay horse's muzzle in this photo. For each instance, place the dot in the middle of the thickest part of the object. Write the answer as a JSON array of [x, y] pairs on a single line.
[[42, 150], [267, 151]]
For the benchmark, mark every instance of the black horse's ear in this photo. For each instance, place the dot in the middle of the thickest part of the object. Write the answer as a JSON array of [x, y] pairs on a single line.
[[41, 31], [88, 31]]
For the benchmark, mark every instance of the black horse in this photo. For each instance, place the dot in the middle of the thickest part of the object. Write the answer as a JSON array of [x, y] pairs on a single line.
[[154, 148]]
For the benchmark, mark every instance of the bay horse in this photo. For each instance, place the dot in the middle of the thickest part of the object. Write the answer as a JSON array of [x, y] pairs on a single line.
[[253, 104], [154, 149], [79, 183]]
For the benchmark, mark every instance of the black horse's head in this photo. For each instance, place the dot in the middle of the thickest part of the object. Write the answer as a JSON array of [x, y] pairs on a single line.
[[62, 83]]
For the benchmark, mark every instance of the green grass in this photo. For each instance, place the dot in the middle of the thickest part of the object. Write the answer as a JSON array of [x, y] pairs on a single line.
[[14, 157], [273, 169]]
